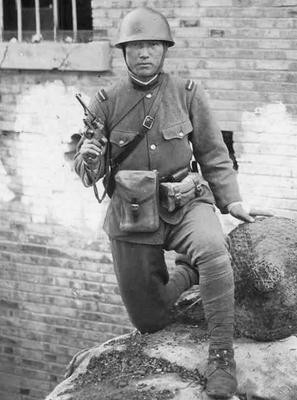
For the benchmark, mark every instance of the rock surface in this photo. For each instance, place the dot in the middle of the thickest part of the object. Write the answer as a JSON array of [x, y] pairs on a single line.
[[170, 365], [264, 256]]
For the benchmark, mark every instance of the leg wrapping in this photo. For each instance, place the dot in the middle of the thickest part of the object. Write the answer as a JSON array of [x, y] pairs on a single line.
[[217, 293]]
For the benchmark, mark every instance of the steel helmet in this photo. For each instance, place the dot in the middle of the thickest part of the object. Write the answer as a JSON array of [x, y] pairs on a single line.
[[144, 23]]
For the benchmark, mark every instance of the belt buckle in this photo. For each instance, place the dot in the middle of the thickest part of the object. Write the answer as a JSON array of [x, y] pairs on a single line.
[[148, 122]]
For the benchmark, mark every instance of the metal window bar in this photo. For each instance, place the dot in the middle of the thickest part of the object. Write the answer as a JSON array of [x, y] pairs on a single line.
[[19, 20], [37, 19], [55, 16], [1, 20], [74, 20]]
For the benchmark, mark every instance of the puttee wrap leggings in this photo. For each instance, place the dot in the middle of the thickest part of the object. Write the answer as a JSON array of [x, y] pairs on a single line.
[[148, 291]]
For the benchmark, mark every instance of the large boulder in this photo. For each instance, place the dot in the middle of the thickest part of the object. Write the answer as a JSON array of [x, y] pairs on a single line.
[[170, 365], [264, 256]]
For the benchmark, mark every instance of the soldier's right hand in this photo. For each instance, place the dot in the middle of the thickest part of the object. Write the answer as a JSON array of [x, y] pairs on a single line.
[[92, 150]]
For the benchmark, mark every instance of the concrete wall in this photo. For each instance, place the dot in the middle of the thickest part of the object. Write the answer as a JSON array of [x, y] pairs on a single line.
[[57, 290]]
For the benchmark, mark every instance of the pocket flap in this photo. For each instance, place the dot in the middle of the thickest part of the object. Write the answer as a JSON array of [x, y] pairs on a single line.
[[122, 138], [139, 185], [178, 131]]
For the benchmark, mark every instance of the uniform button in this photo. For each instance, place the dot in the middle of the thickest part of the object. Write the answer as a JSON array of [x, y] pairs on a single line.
[[148, 96], [121, 142], [153, 147], [181, 134]]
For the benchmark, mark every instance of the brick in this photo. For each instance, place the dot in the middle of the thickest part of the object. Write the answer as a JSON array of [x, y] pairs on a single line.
[[273, 181], [111, 4], [10, 381], [189, 23], [269, 170], [8, 395], [281, 149], [187, 12], [215, 3], [190, 32]]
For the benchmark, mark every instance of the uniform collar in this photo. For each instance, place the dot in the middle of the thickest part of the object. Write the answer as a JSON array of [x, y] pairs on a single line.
[[142, 85]]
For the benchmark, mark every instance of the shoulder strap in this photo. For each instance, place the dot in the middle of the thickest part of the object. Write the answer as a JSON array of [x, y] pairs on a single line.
[[147, 124], [113, 165], [102, 96], [126, 112]]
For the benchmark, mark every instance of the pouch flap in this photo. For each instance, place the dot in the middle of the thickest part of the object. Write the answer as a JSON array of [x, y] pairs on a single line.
[[122, 138], [185, 186], [138, 185], [178, 131]]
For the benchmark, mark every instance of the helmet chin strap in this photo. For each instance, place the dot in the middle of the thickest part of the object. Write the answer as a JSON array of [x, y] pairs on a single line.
[[145, 81]]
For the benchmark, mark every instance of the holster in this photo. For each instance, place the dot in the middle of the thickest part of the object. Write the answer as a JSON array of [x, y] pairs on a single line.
[[137, 193], [174, 195]]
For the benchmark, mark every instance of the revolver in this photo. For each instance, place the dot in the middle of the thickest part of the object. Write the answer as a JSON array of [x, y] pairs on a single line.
[[92, 126]]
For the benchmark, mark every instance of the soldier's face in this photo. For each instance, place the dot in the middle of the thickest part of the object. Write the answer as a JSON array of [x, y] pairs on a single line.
[[145, 57]]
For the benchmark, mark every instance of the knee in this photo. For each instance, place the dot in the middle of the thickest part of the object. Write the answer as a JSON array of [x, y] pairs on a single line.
[[150, 324], [211, 247], [150, 320]]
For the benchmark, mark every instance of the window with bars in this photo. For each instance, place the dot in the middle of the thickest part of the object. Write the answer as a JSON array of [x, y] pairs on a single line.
[[35, 20]]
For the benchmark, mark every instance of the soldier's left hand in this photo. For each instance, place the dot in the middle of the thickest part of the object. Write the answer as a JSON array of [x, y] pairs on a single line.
[[248, 214]]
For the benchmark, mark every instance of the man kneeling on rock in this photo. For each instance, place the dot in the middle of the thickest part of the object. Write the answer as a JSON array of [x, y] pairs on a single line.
[[151, 125]]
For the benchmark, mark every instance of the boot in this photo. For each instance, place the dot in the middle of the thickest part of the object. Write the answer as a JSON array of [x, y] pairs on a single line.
[[220, 374]]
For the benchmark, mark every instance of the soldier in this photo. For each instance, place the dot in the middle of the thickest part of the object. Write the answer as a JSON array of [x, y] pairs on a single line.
[[174, 122]]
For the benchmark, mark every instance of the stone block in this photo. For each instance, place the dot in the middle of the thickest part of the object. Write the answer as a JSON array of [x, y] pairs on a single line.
[[93, 56]]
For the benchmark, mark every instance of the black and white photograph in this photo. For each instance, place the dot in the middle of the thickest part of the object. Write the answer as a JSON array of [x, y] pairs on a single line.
[[148, 200]]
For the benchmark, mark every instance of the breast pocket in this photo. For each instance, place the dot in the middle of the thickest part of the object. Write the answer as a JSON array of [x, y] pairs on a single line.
[[119, 139], [179, 131]]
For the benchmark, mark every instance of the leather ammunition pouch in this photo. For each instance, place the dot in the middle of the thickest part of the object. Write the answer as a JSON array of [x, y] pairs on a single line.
[[138, 198], [174, 195]]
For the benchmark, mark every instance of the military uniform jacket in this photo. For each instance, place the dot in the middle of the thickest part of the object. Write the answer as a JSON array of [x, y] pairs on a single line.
[[184, 127]]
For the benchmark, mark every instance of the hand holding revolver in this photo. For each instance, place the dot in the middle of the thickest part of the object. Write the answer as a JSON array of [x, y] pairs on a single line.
[[92, 150], [95, 143]]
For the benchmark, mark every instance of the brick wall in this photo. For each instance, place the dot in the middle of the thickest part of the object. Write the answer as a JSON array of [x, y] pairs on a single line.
[[57, 290], [58, 293]]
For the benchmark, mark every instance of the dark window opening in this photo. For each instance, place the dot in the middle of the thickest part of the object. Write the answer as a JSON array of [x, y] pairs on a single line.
[[65, 25], [65, 15], [84, 20], [9, 15], [228, 139], [84, 15], [46, 15], [28, 15]]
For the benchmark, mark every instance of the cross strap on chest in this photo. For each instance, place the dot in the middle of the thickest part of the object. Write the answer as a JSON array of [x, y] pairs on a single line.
[[113, 164]]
